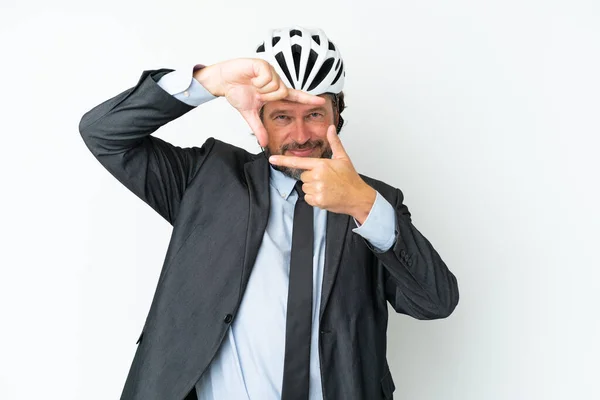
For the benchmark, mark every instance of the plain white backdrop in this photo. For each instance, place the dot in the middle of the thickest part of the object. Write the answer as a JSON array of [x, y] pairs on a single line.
[[485, 113]]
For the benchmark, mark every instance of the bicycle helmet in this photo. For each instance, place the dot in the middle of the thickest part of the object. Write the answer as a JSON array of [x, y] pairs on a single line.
[[305, 59]]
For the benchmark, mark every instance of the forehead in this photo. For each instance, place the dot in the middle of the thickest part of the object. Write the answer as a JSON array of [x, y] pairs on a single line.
[[292, 106]]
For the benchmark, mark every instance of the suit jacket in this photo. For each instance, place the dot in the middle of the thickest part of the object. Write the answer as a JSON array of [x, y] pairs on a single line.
[[217, 199]]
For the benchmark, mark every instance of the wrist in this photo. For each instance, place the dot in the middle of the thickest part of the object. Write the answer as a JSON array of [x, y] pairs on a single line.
[[208, 78], [364, 203]]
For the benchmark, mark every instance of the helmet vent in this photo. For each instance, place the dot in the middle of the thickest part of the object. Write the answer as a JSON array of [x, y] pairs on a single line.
[[275, 40], [316, 39], [331, 46], [297, 53], [295, 32], [261, 48], [339, 74], [322, 73], [281, 60], [312, 58]]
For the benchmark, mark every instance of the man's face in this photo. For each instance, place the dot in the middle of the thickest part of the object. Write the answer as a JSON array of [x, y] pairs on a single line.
[[298, 130]]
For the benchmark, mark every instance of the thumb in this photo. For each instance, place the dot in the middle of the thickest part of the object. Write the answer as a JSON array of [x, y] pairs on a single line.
[[336, 144], [253, 120]]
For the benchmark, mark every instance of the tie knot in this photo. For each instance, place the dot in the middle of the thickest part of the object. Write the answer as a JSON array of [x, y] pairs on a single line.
[[299, 190]]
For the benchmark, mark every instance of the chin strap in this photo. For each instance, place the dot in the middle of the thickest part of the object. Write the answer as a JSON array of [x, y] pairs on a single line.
[[338, 128]]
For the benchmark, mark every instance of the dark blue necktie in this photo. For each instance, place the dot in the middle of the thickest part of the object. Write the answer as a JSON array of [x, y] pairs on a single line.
[[296, 370]]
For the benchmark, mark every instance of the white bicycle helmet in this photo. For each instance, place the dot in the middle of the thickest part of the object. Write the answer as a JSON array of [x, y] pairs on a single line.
[[305, 59]]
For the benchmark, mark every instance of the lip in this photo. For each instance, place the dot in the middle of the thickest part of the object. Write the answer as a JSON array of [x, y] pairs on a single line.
[[301, 153]]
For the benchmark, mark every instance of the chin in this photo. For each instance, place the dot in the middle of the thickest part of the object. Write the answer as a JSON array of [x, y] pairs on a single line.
[[291, 172]]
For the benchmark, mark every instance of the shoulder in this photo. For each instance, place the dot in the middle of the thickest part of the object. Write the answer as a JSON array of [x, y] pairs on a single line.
[[390, 193], [226, 151]]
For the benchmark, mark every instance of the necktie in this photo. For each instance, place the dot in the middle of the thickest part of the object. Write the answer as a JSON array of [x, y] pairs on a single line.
[[296, 369]]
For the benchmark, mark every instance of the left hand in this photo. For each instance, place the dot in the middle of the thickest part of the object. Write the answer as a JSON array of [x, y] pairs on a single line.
[[332, 184]]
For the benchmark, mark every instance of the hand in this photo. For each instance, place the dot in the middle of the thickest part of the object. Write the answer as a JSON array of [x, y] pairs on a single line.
[[332, 184], [248, 84]]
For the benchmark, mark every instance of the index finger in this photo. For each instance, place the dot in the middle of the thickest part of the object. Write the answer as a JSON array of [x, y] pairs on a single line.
[[253, 120], [335, 143], [306, 163], [303, 97]]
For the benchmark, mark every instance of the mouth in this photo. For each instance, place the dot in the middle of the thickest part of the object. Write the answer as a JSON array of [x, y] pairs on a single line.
[[302, 153]]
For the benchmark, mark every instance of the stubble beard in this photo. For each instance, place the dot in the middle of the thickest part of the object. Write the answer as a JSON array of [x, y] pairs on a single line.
[[295, 173]]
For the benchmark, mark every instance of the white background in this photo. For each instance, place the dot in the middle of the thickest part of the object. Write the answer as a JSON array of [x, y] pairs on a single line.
[[485, 114]]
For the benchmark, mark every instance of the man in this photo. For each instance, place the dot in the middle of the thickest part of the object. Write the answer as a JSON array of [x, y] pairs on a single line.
[[270, 288]]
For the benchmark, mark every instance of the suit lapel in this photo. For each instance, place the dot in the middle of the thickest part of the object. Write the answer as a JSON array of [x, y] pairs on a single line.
[[257, 180], [337, 225]]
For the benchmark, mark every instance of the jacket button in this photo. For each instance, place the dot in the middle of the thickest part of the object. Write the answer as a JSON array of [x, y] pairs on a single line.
[[228, 318]]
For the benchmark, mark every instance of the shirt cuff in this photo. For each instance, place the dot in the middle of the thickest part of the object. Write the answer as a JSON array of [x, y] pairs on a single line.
[[185, 88], [379, 229]]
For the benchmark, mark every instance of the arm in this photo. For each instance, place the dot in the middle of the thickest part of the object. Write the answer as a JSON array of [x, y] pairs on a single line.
[[118, 133], [378, 227], [416, 281]]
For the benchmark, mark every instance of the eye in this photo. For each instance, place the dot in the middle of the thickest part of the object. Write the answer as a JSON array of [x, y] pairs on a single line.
[[316, 115], [281, 118]]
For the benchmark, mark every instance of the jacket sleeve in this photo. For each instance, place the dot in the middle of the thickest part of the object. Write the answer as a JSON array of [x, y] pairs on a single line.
[[415, 280], [118, 133]]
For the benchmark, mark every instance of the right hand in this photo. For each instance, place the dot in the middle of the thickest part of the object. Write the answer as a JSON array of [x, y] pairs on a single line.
[[248, 84]]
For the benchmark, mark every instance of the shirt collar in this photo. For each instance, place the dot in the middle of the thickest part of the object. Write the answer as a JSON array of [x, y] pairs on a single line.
[[282, 183]]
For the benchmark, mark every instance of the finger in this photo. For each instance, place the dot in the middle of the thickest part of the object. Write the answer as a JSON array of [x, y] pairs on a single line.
[[311, 200], [253, 120], [303, 97], [295, 162], [336, 144], [272, 86], [264, 74], [279, 94], [310, 188], [307, 176]]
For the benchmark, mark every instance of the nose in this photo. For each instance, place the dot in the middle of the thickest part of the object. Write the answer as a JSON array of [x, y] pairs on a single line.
[[300, 133]]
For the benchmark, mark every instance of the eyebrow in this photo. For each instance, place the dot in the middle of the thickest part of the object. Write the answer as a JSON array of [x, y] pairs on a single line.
[[285, 111]]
